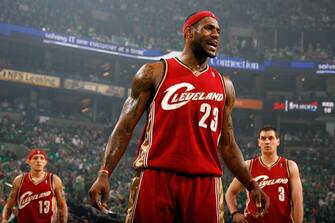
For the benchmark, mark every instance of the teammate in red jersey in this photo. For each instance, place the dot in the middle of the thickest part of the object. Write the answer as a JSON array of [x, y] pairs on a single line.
[[188, 105], [278, 177], [39, 195]]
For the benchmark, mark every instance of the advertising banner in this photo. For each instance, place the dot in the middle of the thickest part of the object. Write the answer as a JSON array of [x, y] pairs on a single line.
[[30, 78], [325, 69], [312, 106], [109, 90], [244, 103]]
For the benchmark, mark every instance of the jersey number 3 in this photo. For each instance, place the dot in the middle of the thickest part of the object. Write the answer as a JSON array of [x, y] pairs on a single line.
[[281, 195], [207, 110]]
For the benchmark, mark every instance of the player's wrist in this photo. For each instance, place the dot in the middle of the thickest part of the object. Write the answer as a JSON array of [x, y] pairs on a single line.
[[235, 213], [251, 185], [104, 171]]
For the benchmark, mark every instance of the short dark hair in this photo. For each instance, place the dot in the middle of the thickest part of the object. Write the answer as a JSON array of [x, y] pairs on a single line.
[[267, 128]]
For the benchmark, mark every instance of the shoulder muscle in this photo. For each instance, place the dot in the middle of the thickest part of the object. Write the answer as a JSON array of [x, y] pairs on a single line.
[[147, 78]]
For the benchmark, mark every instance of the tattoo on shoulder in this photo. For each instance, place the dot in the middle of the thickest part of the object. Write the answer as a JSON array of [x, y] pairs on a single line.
[[148, 71], [145, 79], [13, 192]]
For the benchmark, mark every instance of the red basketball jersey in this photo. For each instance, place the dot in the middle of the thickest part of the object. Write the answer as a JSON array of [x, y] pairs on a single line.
[[36, 201], [184, 122], [274, 181]]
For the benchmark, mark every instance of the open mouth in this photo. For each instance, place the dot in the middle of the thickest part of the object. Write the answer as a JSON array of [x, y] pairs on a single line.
[[213, 45]]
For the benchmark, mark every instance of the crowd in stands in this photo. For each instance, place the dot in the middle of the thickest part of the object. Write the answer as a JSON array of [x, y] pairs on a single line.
[[317, 167], [75, 154], [157, 25], [297, 14]]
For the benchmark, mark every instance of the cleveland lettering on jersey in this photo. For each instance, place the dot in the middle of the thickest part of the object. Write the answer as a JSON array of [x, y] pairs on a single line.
[[27, 197], [180, 99], [264, 181]]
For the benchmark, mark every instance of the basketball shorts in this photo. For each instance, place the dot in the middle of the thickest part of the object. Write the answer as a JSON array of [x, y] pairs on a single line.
[[158, 196]]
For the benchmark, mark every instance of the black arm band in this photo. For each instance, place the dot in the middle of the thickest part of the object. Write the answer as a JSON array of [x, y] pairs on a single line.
[[235, 212]]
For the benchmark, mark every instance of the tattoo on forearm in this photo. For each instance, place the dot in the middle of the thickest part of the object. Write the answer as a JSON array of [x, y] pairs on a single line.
[[10, 202], [6, 212], [132, 112], [63, 215], [12, 194], [228, 130]]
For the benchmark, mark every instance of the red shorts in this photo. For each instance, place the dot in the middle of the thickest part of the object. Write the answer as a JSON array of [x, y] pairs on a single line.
[[158, 196]]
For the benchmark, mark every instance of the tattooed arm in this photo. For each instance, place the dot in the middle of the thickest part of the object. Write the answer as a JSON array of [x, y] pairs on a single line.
[[11, 200], [60, 197], [231, 152], [143, 88]]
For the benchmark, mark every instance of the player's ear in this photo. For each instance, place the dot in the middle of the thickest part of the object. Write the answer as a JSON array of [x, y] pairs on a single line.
[[188, 32], [191, 34], [278, 141]]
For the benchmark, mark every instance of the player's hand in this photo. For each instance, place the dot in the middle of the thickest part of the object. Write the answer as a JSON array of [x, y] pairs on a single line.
[[99, 192], [262, 202], [239, 218]]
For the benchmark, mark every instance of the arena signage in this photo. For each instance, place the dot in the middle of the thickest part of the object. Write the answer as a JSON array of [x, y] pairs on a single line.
[[83, 43], [325, 69], [324, 107], [245, 103], [327, 107], [109, 90], [78, 42], [288, 106], [30, 78], [236, 63], [154, 55]]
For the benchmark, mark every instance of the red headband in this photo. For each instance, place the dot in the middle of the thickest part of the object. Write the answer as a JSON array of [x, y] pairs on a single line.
[[197, 17], [37, 151]]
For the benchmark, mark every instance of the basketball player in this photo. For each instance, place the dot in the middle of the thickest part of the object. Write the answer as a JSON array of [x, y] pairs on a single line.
[[37, 194], [188, 105], [278, 177]]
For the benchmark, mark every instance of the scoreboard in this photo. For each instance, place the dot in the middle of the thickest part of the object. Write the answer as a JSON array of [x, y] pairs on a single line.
[[312, 106], [327, 107]]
